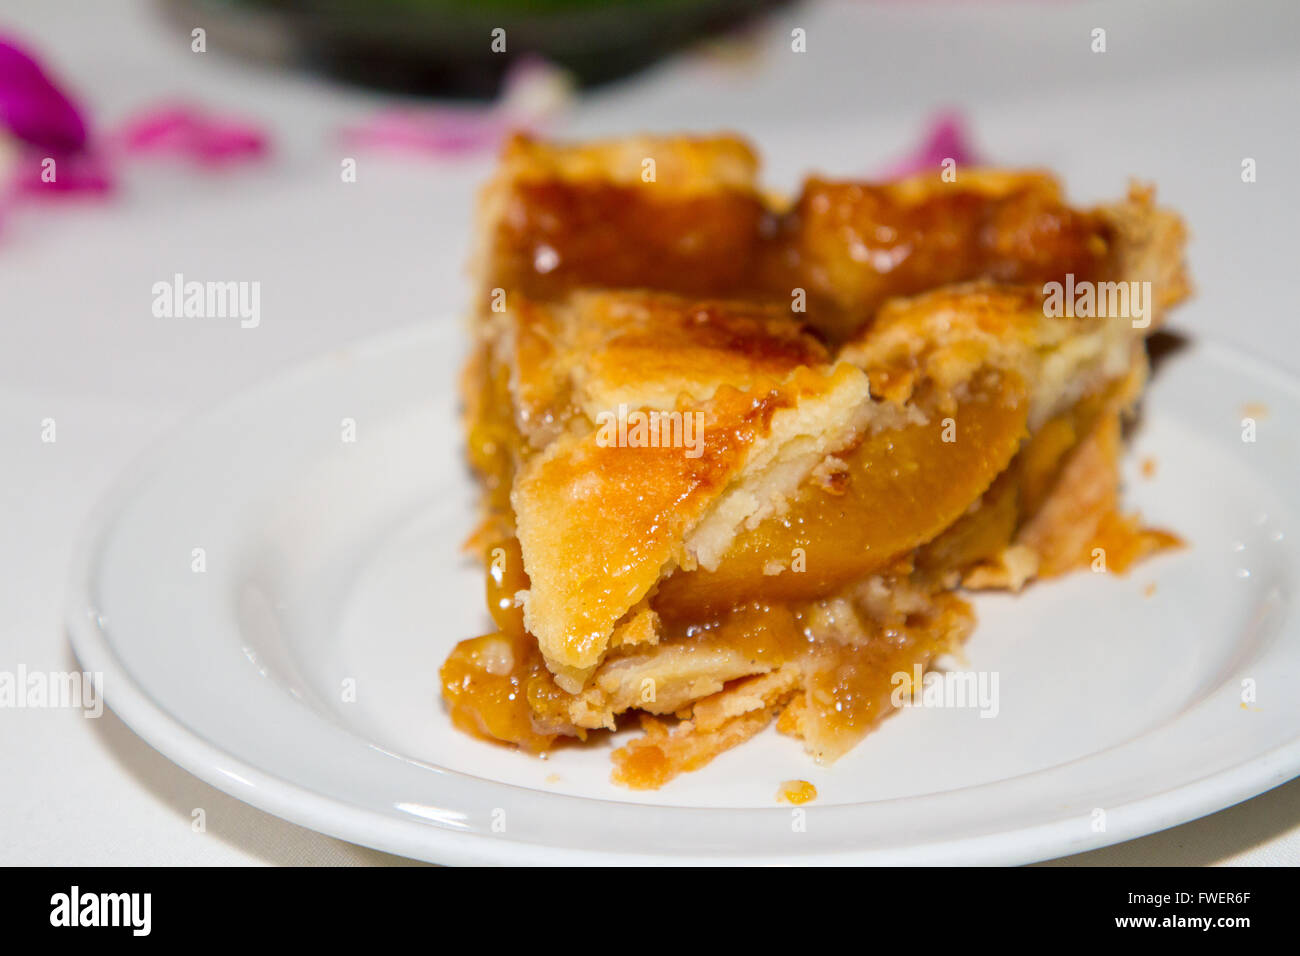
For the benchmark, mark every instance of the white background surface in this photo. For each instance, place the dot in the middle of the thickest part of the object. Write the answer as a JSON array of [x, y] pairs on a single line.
[[1186, 91]]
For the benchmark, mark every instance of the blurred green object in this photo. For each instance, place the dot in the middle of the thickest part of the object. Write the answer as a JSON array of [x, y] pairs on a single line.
[[446, 46]]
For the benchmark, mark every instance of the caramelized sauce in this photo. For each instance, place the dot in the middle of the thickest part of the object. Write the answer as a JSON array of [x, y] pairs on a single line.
[[766, 634], [849, 686], [1126, 542], [506, 577], [497, 686], [488, 683]]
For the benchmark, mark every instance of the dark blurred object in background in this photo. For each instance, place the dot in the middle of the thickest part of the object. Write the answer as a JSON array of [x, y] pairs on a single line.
[[445, 46]]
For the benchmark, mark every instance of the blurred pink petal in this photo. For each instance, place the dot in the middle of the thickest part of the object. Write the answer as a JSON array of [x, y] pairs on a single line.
[[188, 132], [55, 173], [532, 93], [438, 132], [947, 138], [33, 108]]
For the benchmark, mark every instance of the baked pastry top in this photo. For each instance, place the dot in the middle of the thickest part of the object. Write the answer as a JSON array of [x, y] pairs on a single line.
[[739, 455]]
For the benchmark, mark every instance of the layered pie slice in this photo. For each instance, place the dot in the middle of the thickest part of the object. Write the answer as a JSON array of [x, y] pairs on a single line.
[[741, 456]]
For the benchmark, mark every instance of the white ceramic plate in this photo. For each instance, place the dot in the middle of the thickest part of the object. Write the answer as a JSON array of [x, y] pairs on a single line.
[[333, 566]]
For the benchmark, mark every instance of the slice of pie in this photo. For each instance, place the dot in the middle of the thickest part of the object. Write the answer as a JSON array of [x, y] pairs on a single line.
[[740, 456]]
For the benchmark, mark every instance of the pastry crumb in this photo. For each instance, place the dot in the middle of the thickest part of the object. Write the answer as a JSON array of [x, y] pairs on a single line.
[[1254, 410], [797, 792], [1149, 590], [832, 475], [1148, 467]]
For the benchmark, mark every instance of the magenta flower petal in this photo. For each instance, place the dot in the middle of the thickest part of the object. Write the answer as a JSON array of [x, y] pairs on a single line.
[[946, 138], [32, 107], [188, 132]]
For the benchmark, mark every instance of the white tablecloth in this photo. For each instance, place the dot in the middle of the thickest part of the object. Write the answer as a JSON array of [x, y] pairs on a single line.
[[1192, 86]]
